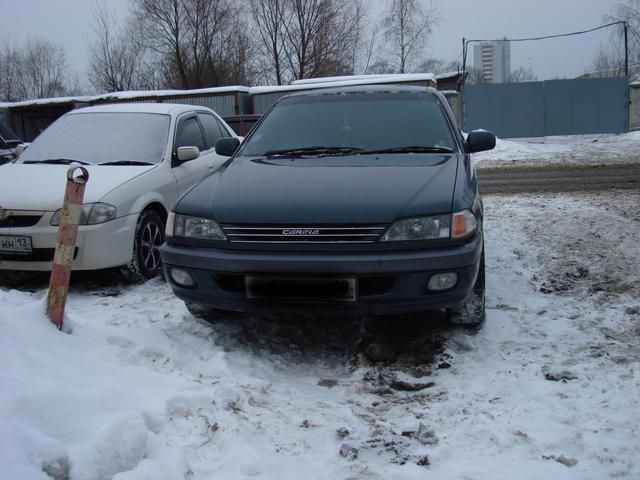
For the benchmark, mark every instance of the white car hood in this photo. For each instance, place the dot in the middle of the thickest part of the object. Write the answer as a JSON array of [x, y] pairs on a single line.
[[41, 187]]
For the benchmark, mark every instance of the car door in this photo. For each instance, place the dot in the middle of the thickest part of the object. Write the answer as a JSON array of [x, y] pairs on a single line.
[[189, 134], [213, 130]]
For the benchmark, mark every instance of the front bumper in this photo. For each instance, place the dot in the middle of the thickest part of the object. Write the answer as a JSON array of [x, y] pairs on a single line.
[[388, 282], [99, 246]]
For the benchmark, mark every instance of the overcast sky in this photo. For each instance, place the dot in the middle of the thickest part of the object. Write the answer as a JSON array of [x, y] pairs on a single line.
[[69, 22]]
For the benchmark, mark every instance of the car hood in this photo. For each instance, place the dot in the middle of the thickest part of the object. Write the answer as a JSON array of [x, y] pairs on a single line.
[[327, 190], [41, 187]]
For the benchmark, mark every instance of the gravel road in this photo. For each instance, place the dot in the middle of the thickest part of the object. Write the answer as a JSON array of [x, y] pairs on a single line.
[[558, 178]]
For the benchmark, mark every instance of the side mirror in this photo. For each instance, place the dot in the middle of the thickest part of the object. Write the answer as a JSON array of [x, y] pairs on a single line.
[[21, 147], [185, 154], [480, 140], [227, 146]]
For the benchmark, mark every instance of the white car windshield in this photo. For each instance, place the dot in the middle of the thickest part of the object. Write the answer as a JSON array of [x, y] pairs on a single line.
[[102, 137]]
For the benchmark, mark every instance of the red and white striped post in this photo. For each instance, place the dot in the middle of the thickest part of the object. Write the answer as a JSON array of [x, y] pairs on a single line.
[[66, 244]]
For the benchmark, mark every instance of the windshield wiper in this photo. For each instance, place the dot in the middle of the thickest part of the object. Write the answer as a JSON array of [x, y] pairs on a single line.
[[319, 151], [126, 162], [58, 161], [410, 149]]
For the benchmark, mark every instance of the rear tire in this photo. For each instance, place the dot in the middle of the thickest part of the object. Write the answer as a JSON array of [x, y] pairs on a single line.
[[149, 236], [472, 312]]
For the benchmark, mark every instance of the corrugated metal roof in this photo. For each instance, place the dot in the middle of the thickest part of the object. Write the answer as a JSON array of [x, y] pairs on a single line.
[[131, 96]]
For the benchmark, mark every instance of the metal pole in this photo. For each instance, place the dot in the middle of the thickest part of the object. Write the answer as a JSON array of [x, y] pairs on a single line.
[[66, 244], [464, 58], [626, 50]]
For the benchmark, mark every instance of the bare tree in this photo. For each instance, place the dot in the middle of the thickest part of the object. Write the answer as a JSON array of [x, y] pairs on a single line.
[[163, 24], [609, 59], [44, 67], [37, 69], [373, 51], [607, 62], [308, 38], [521, 74], [118, 60], [194, 40], [438, 66], [10, 73], [407, 26], [271, 18]]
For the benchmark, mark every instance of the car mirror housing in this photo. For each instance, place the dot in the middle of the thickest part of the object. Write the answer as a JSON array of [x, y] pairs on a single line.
[[480, 140], [185, 154], [227, 146], [21, 147]]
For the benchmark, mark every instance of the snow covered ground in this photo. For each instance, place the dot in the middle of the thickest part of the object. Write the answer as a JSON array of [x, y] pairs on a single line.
[[139, 389], [563, 150]]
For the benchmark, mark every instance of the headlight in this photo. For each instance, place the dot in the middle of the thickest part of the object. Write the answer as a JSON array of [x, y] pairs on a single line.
[[419, 228], [91, 214], [196, 227], [459, 225]]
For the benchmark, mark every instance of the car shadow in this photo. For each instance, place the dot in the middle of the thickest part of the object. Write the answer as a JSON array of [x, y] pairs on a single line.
[[350, 341]]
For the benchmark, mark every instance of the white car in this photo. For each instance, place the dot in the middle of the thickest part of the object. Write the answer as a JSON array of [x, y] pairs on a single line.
[[140, 157]]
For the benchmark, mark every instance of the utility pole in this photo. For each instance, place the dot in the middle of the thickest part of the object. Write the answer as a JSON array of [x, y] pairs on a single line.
[[626, 50]]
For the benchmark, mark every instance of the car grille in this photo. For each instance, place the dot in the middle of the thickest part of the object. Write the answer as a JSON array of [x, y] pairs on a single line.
[[368, 285], [303, 234], [14, 221], [37, 255]]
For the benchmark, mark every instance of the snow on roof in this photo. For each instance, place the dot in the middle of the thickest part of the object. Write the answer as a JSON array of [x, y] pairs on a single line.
[[346, 82], [50, 101], [442, 76], [306, 81], [165, 108], [127, 95], [636, 81]]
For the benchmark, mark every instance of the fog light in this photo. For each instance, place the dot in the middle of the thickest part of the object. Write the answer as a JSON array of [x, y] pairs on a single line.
[[442, 281], [182, 277]]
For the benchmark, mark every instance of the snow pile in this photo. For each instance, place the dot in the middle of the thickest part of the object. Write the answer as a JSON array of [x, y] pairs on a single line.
[[66, 408], [565, 150], [139, 389]]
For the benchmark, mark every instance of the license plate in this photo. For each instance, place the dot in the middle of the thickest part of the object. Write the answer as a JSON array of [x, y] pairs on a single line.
[[342, 289], [15, 244]]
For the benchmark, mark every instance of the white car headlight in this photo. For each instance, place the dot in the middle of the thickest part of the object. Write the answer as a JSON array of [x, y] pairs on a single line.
[[195, 227], [419, 228], [91, 214]]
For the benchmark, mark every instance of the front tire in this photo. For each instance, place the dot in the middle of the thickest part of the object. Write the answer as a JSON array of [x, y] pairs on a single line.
[[145, 260], [472, 312]]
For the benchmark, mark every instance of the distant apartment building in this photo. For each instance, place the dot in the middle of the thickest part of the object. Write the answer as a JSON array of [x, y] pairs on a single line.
[[493, 60]]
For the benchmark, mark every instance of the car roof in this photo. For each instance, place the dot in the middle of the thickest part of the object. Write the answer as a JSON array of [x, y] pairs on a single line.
[[163, 108], [365, 89]]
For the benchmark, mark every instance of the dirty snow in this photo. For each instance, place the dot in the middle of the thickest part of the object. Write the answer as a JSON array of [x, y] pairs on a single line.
[[548, 389], [602, 149]]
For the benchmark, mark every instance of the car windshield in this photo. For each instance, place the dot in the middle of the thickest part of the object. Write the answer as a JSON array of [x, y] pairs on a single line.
[[99, 137], [352, 123]]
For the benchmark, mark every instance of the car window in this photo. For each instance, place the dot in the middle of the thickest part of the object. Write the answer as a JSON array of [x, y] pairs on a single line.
[[365, 121], [189, 134], [212, 129], [98, 137]]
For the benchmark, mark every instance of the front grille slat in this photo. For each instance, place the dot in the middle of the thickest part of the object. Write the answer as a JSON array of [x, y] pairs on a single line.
[[291, 234], [280, 235], [16, 221]]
